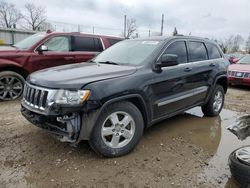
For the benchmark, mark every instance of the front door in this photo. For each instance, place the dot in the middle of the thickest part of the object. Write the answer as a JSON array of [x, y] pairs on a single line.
[[173, 88], [59, 53]]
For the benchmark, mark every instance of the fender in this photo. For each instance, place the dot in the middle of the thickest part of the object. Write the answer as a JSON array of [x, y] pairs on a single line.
[[7, 63], [89, 119]]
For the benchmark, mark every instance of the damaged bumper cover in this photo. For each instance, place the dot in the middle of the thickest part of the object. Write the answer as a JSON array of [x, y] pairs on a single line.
[[66, 128]]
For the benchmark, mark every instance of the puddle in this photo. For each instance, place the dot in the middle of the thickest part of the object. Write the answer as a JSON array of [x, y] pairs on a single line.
[[212, 134], [217, 170]]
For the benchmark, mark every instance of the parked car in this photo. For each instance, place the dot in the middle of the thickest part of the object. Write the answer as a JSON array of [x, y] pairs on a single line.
[[44, 50], [234, 58], [239, 74], [127, 88]]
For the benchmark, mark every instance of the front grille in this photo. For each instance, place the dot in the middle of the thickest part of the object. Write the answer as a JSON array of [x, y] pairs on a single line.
[[238, 74], [35, 97]]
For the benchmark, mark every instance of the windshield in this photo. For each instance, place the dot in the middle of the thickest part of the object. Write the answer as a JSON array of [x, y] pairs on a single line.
[[131, 52], [29, 41], [245, 60]]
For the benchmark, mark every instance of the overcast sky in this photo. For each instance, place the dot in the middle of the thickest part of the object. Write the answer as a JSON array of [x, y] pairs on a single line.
[[207, 18]]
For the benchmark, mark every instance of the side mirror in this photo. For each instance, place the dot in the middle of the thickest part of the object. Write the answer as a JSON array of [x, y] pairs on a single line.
[[167, 60], [42, 49]]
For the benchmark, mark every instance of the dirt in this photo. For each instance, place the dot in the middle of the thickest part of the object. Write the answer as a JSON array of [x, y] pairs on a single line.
[[185, 151]]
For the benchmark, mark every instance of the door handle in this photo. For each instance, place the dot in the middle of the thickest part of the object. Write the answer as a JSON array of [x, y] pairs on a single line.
[[188, 69], [212, 65], [69, 58]]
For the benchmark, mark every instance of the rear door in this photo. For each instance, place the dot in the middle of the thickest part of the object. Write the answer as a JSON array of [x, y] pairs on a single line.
[[204, 67], [173, 86], [59, 53], [85, 48]]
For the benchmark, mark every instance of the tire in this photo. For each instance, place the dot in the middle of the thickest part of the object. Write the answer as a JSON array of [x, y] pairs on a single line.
[[113, 134], [11, 85], [239, 170], [210, 108]]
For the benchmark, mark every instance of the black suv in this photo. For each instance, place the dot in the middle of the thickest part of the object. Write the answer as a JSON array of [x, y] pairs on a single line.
[[125, 89]]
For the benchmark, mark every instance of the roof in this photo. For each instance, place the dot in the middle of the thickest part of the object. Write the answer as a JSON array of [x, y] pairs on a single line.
[[164, 38], [87, 34]]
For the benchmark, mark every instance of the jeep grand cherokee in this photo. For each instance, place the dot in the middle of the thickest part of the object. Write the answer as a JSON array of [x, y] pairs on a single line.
[[125, 89]]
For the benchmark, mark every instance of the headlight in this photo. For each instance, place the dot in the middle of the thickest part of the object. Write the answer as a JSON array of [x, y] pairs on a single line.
[[71, 97]]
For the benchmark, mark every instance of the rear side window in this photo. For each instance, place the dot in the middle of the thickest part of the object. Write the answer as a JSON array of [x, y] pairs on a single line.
[[213, 52], [113, 41], [197, 51], [178, 48], [87, 44]]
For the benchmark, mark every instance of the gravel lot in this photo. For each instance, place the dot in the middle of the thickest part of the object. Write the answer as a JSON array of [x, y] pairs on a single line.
[[185, 151]]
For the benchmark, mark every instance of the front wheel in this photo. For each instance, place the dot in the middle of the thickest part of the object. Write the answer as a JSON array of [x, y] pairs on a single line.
[[118, 130], [11, 85], [215, 103]]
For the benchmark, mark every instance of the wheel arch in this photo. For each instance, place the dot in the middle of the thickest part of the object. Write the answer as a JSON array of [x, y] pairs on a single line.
[[89, 120], [15, 69], [223, 81]]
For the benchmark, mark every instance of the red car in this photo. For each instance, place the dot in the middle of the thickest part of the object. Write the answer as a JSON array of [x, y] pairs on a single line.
[[239, 74], [44, 50]]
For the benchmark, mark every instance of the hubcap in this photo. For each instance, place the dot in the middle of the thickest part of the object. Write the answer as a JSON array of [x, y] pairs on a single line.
[[243, 154], [118, 129], [10, 88], [218, 99]]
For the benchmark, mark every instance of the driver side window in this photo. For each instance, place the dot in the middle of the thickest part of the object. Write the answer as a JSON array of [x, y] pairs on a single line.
[[58, 44], [178, 48]]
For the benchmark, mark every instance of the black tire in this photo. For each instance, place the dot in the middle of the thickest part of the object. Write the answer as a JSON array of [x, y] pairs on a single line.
[[97, 141], [7, 91], [208, 109], [239, 170]]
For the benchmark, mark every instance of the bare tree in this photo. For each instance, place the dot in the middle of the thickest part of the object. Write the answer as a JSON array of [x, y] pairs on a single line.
[[9, 14], [248, 45], [35, 16], [227, 44], [131, 27], [237, 41]]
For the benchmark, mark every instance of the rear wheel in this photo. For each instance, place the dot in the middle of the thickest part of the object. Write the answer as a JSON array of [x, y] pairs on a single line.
[[118, 130], [11, 85], [215, 103]]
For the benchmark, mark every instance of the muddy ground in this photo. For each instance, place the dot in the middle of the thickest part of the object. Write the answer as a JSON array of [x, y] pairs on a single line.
[[185, 151]]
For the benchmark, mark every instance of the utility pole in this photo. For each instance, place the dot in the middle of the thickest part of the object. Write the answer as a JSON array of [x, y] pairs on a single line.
[[125, 25], [93, 30], [162, 22], [149, 33]]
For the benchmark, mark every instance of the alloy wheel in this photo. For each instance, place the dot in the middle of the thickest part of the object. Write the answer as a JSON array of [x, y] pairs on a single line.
[[10, 88], [243, 154], [118, 129], [218, 100]]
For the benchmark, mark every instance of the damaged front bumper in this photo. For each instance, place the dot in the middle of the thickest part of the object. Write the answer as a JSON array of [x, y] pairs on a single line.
[[66, 128]]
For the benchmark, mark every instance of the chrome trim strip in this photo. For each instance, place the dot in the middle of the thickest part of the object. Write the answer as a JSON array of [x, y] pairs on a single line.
[[193, 92], [35, 104]]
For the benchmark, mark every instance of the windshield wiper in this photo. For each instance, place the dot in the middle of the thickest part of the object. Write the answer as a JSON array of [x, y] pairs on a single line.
[[109, 62], [92, 61], [14, 46]]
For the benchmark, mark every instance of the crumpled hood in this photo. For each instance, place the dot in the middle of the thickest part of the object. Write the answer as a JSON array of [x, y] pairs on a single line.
[[75, 76]]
